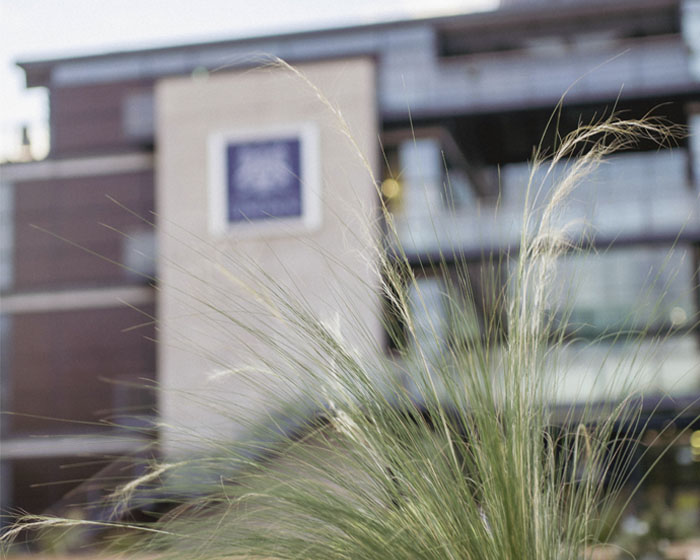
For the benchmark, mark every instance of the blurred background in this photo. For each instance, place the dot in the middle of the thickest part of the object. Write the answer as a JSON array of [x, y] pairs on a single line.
[[463, 91]]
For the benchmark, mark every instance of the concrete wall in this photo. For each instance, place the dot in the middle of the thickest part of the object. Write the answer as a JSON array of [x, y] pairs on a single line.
[[202, 273]]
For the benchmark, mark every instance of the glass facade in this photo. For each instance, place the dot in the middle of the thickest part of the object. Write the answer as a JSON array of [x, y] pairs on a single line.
[[641, 289], [630, 273]]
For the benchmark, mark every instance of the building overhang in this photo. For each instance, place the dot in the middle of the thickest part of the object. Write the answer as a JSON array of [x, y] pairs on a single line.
[[452, 28]]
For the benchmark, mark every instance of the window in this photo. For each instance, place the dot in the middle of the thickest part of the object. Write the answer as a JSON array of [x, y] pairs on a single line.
[[454, 305], [138, 116], [641, 288], [6, 235]]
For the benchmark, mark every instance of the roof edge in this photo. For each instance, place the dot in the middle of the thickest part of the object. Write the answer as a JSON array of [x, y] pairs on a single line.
[[38, 71]]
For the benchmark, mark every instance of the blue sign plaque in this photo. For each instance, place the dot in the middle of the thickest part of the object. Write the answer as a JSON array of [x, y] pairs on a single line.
[[264, 179]]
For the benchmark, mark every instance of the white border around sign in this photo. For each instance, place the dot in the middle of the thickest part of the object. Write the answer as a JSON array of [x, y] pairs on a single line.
[[310, 219]]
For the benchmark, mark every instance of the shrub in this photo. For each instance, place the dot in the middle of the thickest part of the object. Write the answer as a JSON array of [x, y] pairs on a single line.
[[446, 449]]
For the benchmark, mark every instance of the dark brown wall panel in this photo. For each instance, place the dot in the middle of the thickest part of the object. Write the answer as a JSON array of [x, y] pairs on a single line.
[[65, 365], [37, 484], [89, 118], [89, 134], [74, 209]]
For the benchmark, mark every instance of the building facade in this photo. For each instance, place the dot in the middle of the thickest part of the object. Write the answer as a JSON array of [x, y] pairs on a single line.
[[458, 103]]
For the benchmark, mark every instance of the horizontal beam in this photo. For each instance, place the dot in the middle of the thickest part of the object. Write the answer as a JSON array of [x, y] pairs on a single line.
[[54, 446], [76, 167], [41, 302]]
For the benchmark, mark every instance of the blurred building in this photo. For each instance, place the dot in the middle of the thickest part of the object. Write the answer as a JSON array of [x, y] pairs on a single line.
[[464, 97]]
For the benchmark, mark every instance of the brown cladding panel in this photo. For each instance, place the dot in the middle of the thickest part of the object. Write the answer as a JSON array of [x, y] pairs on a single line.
[[89, 118], [94, 97], [64, 365], [73, 211], [38, 483], [89, 134]]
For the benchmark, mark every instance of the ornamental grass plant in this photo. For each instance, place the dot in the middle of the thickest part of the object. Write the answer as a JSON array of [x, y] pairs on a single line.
[[442, 449]]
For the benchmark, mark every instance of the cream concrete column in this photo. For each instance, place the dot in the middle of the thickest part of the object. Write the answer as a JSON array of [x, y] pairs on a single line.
[[328, 261]]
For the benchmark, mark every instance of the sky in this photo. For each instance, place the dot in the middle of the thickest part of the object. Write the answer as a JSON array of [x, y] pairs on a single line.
[[37, 29]]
